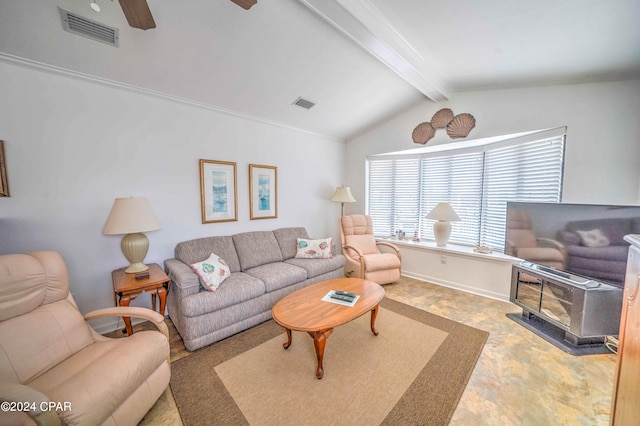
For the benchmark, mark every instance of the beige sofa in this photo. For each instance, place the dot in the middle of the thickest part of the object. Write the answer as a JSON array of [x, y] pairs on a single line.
[[263, 270], [53, 360]]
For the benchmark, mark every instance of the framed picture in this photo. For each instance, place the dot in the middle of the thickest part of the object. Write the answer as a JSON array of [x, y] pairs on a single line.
[[4, 184], [263, 191], [218, 191]]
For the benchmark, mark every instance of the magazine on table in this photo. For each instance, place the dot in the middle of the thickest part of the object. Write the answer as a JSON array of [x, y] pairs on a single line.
[[341, 298]]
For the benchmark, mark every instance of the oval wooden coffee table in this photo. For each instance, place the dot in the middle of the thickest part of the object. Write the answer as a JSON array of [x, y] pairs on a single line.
[[304, 310]]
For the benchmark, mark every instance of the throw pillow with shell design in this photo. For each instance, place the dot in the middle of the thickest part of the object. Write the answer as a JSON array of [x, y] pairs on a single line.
[[212, 271], [314, 249]]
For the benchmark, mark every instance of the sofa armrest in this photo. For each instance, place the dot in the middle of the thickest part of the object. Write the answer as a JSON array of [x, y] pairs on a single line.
[[131, 311], [38, 412], [185, 281]]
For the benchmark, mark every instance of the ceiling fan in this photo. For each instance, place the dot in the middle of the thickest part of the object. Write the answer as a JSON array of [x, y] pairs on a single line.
[[139, 15]]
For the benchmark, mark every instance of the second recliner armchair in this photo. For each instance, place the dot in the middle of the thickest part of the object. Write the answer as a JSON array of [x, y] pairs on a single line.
[[363, 256]]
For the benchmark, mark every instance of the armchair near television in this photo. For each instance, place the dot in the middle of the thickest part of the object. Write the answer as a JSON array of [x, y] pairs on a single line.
[[522, 242]]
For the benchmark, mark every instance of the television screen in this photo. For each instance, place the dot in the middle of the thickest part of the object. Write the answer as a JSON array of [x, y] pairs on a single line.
[[584, 239]]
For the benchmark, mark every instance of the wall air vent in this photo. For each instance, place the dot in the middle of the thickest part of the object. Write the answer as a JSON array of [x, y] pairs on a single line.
[[85, 27], [304, 103]]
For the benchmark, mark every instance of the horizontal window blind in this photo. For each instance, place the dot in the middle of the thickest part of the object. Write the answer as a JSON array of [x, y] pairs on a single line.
[[456, 179], [477, 182], [392, 197], [529, 172]]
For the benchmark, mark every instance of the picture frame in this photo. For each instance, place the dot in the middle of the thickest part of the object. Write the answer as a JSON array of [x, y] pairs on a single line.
[[4, 183], [263, 191], [218, 191]]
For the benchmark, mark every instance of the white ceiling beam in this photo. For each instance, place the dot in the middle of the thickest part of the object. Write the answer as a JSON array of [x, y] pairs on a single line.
[[364, 24]]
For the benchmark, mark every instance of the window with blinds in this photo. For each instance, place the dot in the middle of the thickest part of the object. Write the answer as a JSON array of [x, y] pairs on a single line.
[[476, 178]]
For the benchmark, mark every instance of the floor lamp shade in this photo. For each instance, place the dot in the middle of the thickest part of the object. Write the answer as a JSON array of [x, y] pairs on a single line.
[[343, 195], [444, 214], [131, 217]]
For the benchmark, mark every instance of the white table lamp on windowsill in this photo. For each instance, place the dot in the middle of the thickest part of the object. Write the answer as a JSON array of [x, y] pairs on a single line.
[[444, 214], [343, 195], [132, 216]]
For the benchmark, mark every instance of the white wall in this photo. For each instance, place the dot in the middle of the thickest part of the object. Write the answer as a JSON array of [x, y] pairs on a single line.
[[73, 145], [602, 159]]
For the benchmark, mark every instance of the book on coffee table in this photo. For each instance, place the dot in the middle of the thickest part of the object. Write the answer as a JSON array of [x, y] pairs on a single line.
[[339, 299]]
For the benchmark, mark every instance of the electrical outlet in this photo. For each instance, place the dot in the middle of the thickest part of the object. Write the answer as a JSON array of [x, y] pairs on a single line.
[[443, 259]]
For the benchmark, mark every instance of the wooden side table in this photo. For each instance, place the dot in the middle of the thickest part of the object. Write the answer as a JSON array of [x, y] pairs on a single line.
[[126, 288]]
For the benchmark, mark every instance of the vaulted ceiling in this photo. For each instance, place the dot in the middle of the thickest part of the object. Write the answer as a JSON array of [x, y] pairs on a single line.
[[359, 61]]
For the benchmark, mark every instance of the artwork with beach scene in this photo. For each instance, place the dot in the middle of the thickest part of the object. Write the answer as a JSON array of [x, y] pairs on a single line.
[[218, 194], [263, 191]]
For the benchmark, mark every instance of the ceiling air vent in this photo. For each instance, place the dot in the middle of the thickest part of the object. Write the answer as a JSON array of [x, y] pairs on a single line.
[[85, 27], [301, 102]]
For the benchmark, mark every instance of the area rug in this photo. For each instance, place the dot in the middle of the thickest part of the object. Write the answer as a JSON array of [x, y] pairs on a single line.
[[413, 372]]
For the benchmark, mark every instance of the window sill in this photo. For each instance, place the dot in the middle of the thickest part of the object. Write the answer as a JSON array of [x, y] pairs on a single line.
[[453, 249]]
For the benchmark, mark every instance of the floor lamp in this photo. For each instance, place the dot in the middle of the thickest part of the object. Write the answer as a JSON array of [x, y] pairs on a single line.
[[343, 195]]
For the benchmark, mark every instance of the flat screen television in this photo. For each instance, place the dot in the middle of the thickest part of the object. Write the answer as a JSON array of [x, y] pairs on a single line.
[[583, 239]]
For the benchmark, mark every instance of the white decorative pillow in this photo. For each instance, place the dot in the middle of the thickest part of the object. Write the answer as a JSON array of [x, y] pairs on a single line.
[[593, 238], [314, 249], [212, 271]]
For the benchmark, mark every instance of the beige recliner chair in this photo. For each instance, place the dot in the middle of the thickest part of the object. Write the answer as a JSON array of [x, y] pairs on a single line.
[[523, 243], [361, 250], [51, 357]]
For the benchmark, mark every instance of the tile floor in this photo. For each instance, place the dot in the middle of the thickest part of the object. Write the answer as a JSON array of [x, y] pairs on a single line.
[[520, 379]]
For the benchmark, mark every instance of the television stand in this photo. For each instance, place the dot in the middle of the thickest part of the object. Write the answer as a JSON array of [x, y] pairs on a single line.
[[572, 312], [558, 337]]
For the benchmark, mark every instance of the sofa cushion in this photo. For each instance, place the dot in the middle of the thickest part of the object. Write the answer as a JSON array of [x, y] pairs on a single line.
[[120, 366], [287, 238], [278, 275], [317, 267], [197, 250], [238, 288], [212, 271], [314, 249], [256, 248]]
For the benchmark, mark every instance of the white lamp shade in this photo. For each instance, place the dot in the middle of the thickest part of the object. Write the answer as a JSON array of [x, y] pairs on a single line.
[[343, 195], [130, 215], [443, 211]]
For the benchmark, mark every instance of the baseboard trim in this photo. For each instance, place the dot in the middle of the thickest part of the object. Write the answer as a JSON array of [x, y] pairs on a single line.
[[457, 286]]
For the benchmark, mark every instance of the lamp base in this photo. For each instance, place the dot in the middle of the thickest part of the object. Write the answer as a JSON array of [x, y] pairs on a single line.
[[442, 231], [135, 247], [134, 268]]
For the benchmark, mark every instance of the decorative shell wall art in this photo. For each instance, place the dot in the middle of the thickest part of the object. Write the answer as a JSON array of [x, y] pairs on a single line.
[[461, 125], [457, 126], [423, 132], [441, 118]]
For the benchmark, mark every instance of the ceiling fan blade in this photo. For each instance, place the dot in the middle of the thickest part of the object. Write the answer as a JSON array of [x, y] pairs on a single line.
[[138, 14], [245, 4]]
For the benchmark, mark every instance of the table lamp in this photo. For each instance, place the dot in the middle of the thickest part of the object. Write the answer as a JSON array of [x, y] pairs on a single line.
[[132, 216], [444, 214], [343, 195]]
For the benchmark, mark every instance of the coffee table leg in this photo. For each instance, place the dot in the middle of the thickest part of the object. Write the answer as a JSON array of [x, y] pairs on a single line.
[[319, 340], [374, 314], [288, 342]]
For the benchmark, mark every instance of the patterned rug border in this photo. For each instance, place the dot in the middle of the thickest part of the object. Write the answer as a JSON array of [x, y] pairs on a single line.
[[431, 399]]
